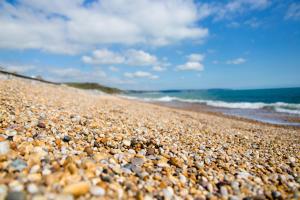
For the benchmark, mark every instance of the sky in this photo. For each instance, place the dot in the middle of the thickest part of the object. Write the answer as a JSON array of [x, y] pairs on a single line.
[[154, 44]]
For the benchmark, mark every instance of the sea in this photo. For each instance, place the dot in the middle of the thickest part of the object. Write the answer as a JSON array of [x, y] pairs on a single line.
[[276, 106]]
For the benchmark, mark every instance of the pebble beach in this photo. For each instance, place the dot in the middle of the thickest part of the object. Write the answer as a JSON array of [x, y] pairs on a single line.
[[58, 142]]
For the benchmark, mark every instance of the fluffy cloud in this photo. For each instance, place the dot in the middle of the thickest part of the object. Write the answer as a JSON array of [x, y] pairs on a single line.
[[236, 61], [69, 74], [140, 74], [293, 12], [72, 26], [230, 9], [103, 56], [18, 68], [130, 57], [158, 68], [140, 58], [194, 63]]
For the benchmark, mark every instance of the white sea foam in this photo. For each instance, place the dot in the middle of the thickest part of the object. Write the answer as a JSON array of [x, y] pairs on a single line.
[[278, 106]]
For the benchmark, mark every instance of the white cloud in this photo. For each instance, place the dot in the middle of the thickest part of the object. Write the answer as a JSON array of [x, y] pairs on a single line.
[[71, 27], [196, 57], [191, 66], [230, 9], [18, 68], [103, 56], [236, 61], [158, 68], [194, 63], [293, 12], [130, 57], [113, 69], [140, 74], [140, 58]]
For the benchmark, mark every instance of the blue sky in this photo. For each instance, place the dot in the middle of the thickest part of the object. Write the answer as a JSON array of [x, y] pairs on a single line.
[[143, 44]]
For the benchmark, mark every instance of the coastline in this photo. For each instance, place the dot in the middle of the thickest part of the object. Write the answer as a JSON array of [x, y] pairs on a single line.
[[213, 111], [68, 143], [251, 115]]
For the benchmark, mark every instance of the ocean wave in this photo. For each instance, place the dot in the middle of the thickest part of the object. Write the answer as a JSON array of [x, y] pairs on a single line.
[[277, 107]]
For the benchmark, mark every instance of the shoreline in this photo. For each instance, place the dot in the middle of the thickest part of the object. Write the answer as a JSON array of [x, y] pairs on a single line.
[[234, 117], [217, 112]]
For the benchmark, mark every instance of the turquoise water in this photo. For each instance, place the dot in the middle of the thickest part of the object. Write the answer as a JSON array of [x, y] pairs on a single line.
[[285, 101]]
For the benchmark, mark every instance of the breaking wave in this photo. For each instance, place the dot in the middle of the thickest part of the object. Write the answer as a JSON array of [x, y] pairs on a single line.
[[282, 107]]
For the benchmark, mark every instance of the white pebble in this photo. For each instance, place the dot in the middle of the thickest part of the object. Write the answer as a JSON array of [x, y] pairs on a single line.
[[182, 179], [32, 188], [126, 143], [34, 169], [97, 191], [46, 172], [168, 193], [224, 191], [4, 147]]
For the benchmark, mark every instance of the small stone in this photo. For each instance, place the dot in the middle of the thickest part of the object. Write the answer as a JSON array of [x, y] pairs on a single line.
[[150, 151], [292, 159], [16, 196], [18, 164], [199, 164], [127, 143], [243, 175], [4, 147], [41, 125], [276, 194], [66, 138], [137, 161], [182, 179], [46, 172], [224, 192], [97, 191], [77, 189], [32, 188], [88, 150], [177, 162], [34, 169], [168, 193], [75, 118]]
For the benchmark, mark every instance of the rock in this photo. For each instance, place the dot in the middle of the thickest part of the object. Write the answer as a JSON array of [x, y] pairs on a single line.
[[16, 196], [32, 188], [34, 169], [150, 151], [97, 191], [67, 138], [168, 193], [137, 161], [75, 118], [41, 125], [243, 175], [182, 179], [176, 161], [199, 164], [292, 159], [77, 189], [127, 143], [18, 164], [276, 194], [224, 192], [88, 150], [4, 147]]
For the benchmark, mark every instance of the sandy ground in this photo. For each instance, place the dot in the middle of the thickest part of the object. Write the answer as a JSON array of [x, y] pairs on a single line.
[[63, 143]]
